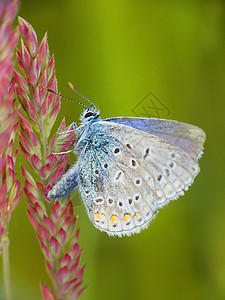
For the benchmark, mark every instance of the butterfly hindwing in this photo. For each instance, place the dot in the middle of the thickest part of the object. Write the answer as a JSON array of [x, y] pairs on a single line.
[[126, 174]]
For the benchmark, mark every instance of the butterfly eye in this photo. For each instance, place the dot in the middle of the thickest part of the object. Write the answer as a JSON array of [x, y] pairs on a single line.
[[89, 114]]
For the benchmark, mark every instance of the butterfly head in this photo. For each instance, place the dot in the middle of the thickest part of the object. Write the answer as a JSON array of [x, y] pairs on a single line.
[[90, 114]]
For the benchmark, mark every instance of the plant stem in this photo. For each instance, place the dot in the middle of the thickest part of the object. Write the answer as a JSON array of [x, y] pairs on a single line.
[[6, 268]]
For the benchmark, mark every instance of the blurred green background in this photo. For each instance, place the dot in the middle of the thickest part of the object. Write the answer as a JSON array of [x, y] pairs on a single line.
[[115, 53]]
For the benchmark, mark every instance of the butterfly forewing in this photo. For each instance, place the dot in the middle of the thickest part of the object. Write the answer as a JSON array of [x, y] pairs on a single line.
[[128, 175], [186, 136]]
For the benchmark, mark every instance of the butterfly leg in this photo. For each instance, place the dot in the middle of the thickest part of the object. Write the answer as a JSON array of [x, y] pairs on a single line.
[[62, 152], [73, 127]]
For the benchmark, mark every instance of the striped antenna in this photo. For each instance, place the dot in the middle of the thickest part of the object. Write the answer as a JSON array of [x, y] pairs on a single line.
[[72, 87], [61, 96]]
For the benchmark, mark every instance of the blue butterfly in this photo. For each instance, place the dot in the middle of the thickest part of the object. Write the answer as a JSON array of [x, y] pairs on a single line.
[[128, 168]]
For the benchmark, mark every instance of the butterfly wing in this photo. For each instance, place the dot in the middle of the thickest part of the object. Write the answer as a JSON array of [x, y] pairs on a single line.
[[186, 136], [126, 174]]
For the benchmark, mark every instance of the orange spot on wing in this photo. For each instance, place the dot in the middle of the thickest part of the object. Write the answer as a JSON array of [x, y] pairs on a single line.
[[114, 219], [96, 216], [126, 217], [136, 215]]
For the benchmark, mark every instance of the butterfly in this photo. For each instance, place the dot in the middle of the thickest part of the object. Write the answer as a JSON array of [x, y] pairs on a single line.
[[127, 168]]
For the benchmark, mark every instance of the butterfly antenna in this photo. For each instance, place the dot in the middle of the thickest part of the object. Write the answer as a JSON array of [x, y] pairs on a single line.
[[72, 87], [61, 96]]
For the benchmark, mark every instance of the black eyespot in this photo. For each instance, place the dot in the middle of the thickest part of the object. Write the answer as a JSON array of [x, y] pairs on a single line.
[[116, 150], [89, 114], [171, 165], [159, 177], [137, 197]]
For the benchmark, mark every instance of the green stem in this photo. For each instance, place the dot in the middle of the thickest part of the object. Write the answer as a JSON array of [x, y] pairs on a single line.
[[6, 268]]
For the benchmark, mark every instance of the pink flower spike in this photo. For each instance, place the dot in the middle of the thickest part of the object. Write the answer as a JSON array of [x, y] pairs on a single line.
[[50, 102], [42, 93], [27, 175], [31, 110], [66, 261], [52, 84], [2, 192], [56, 109], [67, 145], [67, 285], [46, 251], [75, 249], [10, 12], [23, 122], [51, 67], [52, 143], [55, 211], [50, 225], [31, 137], [63, 216], [27, 105], [11, 43], [77, 234], [44, 108], [49, 268], [10, 148], [25, 56], [28, 35], [48, 293], [54, 222], [40, 186], [54, 245], [31, 196], [2, 230], [37, 100], [14, 156], [44, 232], [62, 126], [45, 171], [61, 236], [62, 275], [74, 267], [21, 81], [37, 164], [10, 162], [56, 176], [16, 201], [80, 292], [2, 164], [40, 238], [20, 61], [26, 145], [43, 52], [80, 272], [30, 186], [38, 209], [32, 219], [52, 160], [15, 189], [14, 130], [4, 139], [34, 71], [74, 289], [24, 152], [44, 78]]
